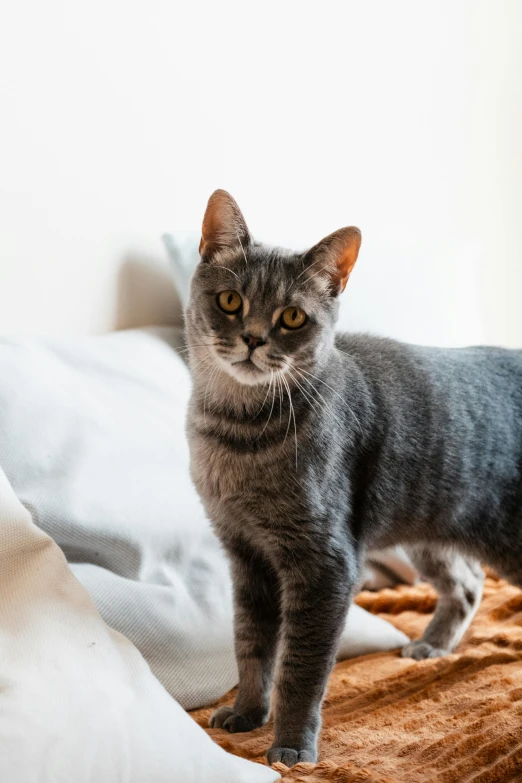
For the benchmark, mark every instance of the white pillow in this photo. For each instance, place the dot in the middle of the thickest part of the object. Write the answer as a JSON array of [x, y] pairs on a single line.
[[392, 292], [92, 439], [77, 701], [366, 633], [183, 252]]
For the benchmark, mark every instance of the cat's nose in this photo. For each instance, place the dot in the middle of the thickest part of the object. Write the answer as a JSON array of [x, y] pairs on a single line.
[[252, 341]]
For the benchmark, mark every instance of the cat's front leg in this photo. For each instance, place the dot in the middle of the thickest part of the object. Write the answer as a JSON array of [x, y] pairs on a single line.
[[256, 631], [315, 603]]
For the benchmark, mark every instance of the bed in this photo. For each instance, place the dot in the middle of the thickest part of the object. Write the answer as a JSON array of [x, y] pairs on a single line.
[[92, 443], [388, 719]]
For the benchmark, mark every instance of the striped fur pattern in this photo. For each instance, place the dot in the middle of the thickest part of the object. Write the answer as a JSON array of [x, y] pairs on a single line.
[[311, 447]]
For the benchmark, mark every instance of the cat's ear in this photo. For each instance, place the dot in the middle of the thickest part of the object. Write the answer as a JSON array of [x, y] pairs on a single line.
[[224, 226], [334, 257]]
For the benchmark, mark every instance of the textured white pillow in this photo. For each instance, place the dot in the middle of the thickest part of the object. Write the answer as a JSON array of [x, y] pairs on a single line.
[[77, 701], [92, 439]]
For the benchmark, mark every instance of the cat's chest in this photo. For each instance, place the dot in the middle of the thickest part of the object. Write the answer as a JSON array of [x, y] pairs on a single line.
[[246, 494], [222, 472]]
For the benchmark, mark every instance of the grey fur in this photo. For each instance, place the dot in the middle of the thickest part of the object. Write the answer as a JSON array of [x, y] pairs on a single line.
[[458, 580], [371, 443]]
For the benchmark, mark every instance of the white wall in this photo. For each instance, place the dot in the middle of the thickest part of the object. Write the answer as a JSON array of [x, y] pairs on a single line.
[[119, 117]]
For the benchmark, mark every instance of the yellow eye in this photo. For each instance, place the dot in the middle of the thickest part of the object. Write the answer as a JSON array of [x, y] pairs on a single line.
[[230, 302], [293, 318]]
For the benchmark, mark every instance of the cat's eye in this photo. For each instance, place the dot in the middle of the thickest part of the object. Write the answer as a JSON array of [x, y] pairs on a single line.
[[293, 318], [230, 302]]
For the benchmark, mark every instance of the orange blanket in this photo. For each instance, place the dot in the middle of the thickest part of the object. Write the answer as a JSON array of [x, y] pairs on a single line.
[[388, 719]]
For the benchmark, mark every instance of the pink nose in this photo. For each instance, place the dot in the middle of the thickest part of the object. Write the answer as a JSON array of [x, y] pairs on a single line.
[[252, 342]]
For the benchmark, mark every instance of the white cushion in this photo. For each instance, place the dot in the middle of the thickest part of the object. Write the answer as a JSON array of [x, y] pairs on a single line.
[[92, 438], [77, 701], [432, 300]]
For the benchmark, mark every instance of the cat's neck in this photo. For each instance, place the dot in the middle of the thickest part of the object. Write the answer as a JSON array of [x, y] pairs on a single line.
[[216, 392]]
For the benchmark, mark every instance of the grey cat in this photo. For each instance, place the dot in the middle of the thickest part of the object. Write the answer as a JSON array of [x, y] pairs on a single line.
[[309, 447]]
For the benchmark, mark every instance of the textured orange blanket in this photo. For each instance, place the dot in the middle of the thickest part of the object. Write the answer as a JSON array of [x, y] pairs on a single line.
[[387, 719]]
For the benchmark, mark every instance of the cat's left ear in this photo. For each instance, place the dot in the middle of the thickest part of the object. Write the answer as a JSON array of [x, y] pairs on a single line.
[[334, 257]]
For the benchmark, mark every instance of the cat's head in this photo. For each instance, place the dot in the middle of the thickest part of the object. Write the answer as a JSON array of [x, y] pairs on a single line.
[[260, 311]]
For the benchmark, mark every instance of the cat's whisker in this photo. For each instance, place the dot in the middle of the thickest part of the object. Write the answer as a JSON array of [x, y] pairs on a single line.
[[291, 413], [263, 403], [203, 369], [333, 418], [272, 382], [316, 274], [280, 387], [211, 378], [187, 350], [345, 402], [203, 362], [231, 270], [325, 406], [289, 419], [306, 393], [310, 266], [204, 357], [241, 246]]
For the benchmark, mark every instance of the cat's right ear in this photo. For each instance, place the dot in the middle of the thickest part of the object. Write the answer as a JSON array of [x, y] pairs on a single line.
[[224, 226]]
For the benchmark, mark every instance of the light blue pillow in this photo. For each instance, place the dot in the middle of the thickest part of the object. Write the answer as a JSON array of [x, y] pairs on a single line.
[[183, 251]]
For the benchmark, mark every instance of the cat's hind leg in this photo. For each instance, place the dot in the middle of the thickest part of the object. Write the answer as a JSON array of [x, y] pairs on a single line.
[[458, 581]]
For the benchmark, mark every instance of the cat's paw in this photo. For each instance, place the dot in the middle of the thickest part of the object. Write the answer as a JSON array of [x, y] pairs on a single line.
[[234, 722], [420, 650], [290, 756]]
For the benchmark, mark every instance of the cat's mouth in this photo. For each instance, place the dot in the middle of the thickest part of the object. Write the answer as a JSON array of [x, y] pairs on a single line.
[[246, 362], [247, 371], [247, 366]]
